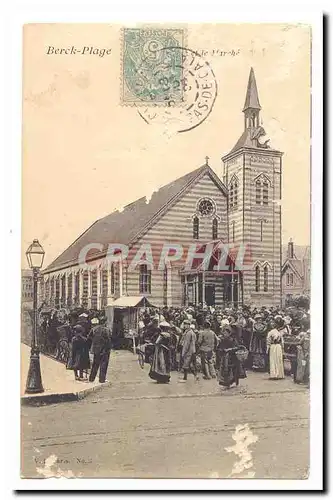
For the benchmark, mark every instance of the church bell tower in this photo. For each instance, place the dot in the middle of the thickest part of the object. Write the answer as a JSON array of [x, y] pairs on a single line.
[[252, 173]]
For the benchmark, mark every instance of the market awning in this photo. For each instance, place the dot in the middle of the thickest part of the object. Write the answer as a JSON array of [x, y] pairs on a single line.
[[132, 301], [217, 250]]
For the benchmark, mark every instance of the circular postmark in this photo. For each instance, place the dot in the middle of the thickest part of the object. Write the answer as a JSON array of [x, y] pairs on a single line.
[[189, 89]]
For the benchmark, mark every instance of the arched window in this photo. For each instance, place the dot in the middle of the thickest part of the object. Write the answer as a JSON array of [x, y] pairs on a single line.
[[231, 195], [195, 228], [257, 279], [266, 278], [265, 192], [258, 192], [215, 229], [235, 194], [144, 279]]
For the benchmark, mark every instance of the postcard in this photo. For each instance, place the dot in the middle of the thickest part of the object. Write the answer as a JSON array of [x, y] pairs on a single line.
[[166, 251]]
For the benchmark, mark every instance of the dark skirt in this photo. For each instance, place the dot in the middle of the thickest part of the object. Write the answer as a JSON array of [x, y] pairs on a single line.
[[231, 369], [161, 364], [79, 357]]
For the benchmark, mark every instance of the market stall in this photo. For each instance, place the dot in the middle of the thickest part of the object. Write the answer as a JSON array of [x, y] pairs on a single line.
[[123, 318]]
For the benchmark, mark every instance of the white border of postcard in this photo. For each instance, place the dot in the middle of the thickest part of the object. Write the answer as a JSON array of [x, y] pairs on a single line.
[[80, 11]]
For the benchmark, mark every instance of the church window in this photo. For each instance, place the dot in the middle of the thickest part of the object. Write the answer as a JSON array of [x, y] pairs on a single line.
[[233, 231], [206, 207], [257, 278], [262, 184], [112, 278], [215, 229], [145, 279], [231, 196], [291, 279], [233, 193], [165, 286], [261, 230], [265, 192], [195, 228], [266, 279], [258, 192]]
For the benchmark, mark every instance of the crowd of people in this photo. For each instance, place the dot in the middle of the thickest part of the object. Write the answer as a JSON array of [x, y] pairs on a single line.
[[212, 342], [223, 343]]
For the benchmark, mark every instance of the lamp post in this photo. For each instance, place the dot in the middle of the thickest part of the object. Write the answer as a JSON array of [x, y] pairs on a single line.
[[35, 255]]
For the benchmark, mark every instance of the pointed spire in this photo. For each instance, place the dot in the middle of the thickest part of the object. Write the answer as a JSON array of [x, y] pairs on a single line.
[[206, 159], [252, 99]]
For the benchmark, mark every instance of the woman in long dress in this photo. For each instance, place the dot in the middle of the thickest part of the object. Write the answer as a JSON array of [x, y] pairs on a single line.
[[257, 346], [231, 369], [161, 365], [302, 372], [275, 350], [79, 360]]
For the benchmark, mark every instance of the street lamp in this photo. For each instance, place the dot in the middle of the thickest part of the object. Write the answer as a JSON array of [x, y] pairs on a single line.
[[35, 255]]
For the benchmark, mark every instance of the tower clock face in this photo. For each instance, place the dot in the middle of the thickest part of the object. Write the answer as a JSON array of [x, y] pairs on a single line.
[[206, 207]]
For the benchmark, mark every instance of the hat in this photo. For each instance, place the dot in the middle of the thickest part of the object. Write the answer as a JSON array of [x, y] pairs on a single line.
[[164, 324], [94, 321], [279, 321], [83, 315]]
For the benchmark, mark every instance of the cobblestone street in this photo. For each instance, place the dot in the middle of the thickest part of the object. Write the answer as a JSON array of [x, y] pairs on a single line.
[[136, 428]]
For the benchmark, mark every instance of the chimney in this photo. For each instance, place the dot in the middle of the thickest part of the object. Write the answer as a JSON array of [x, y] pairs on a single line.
[[290, 249]]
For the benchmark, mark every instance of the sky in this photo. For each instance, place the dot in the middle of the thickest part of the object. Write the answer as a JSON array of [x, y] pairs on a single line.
[[86, 154]]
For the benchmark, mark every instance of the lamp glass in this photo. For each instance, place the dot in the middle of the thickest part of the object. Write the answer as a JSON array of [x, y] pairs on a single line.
[[35, 255]]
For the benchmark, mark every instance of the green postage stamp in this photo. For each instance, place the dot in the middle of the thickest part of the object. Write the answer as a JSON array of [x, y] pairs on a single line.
[[152, 69]]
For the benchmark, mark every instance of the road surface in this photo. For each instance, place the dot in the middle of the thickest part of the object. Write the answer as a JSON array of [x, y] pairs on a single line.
[[136, 428]]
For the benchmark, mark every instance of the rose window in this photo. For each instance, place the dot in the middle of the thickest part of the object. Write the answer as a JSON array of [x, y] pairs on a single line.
[[206, 207]]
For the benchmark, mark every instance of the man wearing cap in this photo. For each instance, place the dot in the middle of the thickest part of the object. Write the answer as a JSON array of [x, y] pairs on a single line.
[[100, 336], [206, 344]]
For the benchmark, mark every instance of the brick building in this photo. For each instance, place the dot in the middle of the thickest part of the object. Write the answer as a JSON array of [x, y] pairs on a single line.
[[201, 209]]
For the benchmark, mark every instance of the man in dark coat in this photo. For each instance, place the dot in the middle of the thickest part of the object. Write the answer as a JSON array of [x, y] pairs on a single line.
[[100, 336]]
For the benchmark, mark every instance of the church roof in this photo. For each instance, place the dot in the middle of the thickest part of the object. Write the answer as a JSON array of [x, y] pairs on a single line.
[[245, 141], [134, 220], [252, 99]]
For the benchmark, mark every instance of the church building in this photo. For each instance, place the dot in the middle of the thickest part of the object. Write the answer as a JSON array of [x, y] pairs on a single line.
[[240, 210]]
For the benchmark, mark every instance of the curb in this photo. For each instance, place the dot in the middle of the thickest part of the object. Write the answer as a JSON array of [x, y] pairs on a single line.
[[49, 399]]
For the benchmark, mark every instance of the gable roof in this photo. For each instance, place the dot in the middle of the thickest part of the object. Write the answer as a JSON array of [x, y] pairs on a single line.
[[296, 265], [134, 220]]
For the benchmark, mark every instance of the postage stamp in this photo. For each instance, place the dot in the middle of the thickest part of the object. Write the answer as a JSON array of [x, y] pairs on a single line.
[[151, 71]]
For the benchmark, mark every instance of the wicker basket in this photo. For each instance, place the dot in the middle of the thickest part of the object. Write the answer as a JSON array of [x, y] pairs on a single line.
[[242, 354]]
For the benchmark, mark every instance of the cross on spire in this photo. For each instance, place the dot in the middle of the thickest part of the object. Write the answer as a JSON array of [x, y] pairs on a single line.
[[206, 158]]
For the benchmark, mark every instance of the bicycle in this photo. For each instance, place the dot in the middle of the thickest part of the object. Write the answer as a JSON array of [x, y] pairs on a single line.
[[145, 354]]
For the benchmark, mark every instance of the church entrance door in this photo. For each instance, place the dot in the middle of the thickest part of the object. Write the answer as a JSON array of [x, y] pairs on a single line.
[[210, 295]]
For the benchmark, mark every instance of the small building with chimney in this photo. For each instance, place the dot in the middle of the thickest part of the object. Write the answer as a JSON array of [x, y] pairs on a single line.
[[295, 272]]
